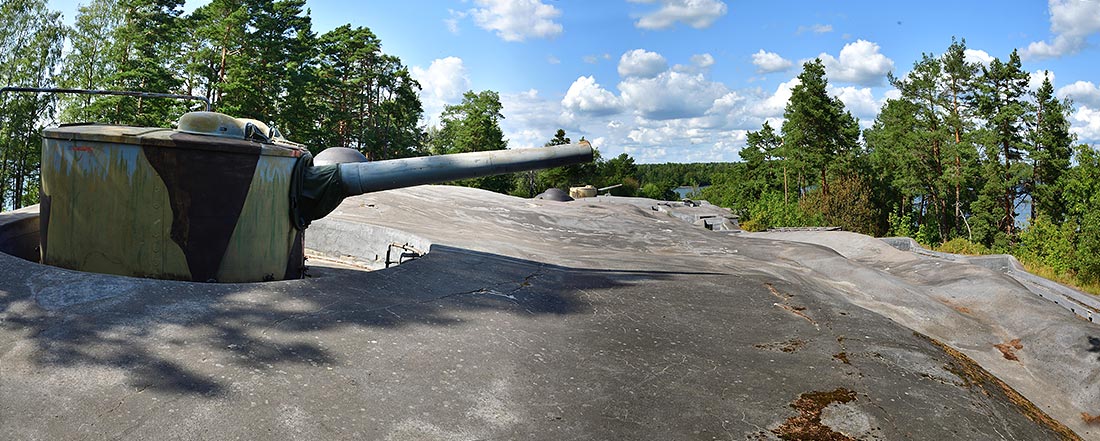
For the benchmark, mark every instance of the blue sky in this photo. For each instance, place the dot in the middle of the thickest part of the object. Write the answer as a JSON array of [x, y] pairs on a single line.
[[685, 80]]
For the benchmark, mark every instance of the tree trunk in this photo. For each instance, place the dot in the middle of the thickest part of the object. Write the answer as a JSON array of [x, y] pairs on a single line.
[[958, 160], [785, 199], [824, 183], [20, 172], [1009, 220], [1037, 174]]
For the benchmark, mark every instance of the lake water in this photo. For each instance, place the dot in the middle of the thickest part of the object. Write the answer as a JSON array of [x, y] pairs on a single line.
[[685, 192]]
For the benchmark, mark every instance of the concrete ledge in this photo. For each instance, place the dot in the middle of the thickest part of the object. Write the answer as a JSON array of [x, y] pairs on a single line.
[[1083, 304], [363, 245], [19, 233]]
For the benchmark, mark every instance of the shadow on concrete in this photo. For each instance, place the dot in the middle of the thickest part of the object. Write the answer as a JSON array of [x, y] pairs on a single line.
[[175, 336]]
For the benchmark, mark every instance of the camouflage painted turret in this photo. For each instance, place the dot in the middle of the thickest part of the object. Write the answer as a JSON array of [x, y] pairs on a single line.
[[220, 199]]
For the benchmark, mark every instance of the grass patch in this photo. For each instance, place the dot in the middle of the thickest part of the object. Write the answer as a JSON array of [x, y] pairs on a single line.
[[1049, 273]]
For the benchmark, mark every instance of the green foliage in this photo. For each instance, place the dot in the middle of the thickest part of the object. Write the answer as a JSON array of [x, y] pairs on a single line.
[[1049, 149], [999, 101], [1052, 245], [262, 77], [770, 211], [562, 177], [848, 206], [472, 125], [690, 174], [619, 170], [754, 225], [960, 245], [364, 99], [88, 64], [818, 132], [31, 39], [656, 191], [928, 235], [901, 225], [124, 45], [1082, 200], [1087, 265]]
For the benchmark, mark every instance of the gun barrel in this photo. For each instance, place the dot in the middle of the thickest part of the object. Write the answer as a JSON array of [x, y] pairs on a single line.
[[365, 177]]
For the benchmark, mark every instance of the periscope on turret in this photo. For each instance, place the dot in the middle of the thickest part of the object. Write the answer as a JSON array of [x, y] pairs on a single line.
[[218, 199]]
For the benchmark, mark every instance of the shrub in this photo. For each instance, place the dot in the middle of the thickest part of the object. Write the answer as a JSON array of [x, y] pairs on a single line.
[[928, 235], [848, 205], [901, 226], [753, 225], [1052, 245], [960, 245], [771, 211]]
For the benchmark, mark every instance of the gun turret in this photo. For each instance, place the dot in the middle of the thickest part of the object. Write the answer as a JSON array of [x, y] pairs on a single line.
[[219, 199]]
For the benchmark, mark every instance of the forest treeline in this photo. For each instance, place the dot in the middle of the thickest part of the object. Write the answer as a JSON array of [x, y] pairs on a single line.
[[250, 58], [952, 161], [257, 59], [968, 159]]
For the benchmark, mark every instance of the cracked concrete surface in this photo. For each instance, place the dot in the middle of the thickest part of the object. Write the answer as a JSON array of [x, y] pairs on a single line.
[[533, 320]]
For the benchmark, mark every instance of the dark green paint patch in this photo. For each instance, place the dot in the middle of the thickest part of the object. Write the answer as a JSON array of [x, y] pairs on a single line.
[[296, 261], [44, 205], [206, 190]]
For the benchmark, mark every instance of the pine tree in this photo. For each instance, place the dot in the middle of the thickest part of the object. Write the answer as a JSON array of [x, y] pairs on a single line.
[[142, 52], [258, 78], [474, 126], [891, 139], [31, 39], [923, 87], [817, 130], [999, 101], [1049, 149], [218, 29], [368, 99], [959, 76], [88, 65], [761, 173]]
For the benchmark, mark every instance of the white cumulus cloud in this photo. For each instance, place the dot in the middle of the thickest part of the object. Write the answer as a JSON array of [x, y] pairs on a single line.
[[698, 14], [1036, 78], [532, 120], [442, 83], [860, 62], [1071, 22], [641, 63], [1081, 92], [859, 101], [702, 60], [772, 106], [586, 96], [671, 95], [977, 56], [768, 62], [1086, 124], [517, 20]]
